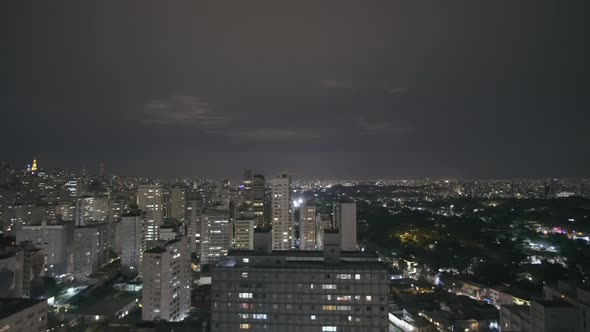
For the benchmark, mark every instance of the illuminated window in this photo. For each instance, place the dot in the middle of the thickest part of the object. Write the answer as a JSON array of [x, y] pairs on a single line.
[[343, 298], [328, 286], [368, 298], [357, 277], [343, 276], [328, 307], [247, 327], [245, 295], [312, 317], [329, 328], [246, 260], [259, 316], [244, 274]]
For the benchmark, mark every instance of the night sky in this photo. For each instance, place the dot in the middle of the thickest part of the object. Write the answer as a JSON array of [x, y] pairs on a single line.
[[336, 89]]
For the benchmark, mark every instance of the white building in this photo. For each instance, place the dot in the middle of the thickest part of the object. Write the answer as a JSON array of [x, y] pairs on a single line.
[[130, 230], [345, 222], [23, 315], [150, 200], [56, 240], [282, 213], [90, 250], [307, 227], [216, 235], [299, 291], [167, 281]]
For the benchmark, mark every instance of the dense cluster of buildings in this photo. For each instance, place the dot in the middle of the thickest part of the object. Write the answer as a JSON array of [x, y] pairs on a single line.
[[74, 228], [276, 255]]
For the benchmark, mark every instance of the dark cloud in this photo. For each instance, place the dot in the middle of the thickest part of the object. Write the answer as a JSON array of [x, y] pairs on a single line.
[[181, 111], [330, 88]]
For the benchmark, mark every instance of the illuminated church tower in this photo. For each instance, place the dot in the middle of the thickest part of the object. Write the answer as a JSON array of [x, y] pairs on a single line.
[[34, 167]]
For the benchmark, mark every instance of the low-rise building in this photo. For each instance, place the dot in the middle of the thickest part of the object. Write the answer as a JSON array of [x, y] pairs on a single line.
[[285, 290]]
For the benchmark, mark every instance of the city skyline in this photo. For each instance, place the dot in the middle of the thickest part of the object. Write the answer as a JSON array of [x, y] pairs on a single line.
[[331, 89]]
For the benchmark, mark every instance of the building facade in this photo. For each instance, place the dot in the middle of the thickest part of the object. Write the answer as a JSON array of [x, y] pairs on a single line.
[[299, 291], [167, 281], [150, 200], [216, 235], [132, 235], [90, 250], [258, 199], [282, 213], [345, 222], [308, 227], [56, 240], [243, 234], [23, 315]]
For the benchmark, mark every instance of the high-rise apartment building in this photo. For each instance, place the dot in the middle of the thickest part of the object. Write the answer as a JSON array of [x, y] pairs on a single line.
[[258, 199], [345, 222], [287, 291], [193, 219], [308, 227], [216, 235], [324, 221], [243, 234], [150, 200], [282, 214], [247, 194], [93, 209], [16, 216], [167, 281], [131, 232], [90, 249], [175, 203], [56, 240], [30, 267]]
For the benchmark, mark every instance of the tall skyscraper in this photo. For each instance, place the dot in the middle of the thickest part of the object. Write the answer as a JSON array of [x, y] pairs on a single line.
[[345, 222], [90, 250], [131, 232], [282, 213], [307, 227], [258, 198], [167, 281], [216, 235], [149, 200]]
